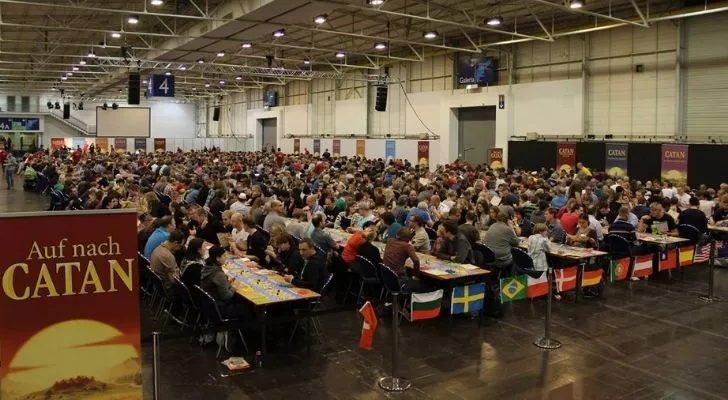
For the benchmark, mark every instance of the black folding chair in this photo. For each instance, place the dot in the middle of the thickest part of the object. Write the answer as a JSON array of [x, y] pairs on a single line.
[[393, 286], [690, 232], [487, 257], [523, 263], [215, 321], [369, 277], [316, 305], [431, 233]]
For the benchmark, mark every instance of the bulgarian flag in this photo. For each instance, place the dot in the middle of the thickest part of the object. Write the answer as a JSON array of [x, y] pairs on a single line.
[[642, 266], [668, 260], [619, 269], [538, 287], [591, 278], [368, 327], [426, 305], [687, 253]]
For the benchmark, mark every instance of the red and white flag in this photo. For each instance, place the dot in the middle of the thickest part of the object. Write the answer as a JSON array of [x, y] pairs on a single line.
[[538, 286], [642, 266], [565, 279], [370, 325], [702, 254]]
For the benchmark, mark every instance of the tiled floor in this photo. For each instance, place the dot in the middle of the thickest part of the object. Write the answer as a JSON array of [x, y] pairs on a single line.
[[644, 340]]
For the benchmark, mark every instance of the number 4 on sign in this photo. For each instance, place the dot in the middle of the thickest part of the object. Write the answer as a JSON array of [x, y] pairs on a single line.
[[164, 86]]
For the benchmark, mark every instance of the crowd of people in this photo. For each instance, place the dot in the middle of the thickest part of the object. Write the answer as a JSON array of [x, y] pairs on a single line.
[[274, 208]]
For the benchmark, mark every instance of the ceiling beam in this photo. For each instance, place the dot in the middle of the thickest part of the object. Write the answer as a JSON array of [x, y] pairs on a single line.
[[586, 12]]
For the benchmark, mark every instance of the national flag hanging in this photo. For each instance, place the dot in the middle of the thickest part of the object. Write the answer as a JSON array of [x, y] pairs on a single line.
[[702, 254], [619, 269], [642, 266], [468, 298], [538, 286], [425, 305], [668, 260], [687, 254], [368, 327], [565, 279], [513, 288], [591, 278]]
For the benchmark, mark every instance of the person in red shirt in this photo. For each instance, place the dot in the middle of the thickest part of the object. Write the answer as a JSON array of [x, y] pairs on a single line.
[[569, 221], [351, 249], [76, 156], [279, 157]]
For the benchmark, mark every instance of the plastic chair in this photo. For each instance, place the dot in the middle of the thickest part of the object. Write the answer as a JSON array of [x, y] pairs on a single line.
[[215, 320], [369, 276], [184, 296], [618, 245], [488, 257], [690, 232], [393, 286], [523, 263]]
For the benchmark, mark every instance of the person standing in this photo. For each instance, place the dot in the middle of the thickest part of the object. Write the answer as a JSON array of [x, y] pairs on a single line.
[[11, 164]]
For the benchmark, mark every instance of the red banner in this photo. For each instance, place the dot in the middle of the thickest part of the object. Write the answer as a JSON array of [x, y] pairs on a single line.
[[361, 146], [160, 144], [102, 145], [57, 143], [70, 306], [423, 154], [566, 157], [337, 147], [120, 144], [296, 146], [495, 155]]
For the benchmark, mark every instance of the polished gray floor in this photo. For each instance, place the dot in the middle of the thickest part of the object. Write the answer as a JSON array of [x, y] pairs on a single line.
[[644, 340]]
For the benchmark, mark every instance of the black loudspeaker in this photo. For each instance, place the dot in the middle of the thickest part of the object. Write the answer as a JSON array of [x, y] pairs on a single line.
[[381, 100], [66, 111], [216, 113], [134, 82]]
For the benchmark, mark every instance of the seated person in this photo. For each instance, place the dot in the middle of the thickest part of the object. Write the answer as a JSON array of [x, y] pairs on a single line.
[[351, 249], [192, 263], [163, 227], [206, 227], [367, 249], [621, 225], [283, 254], [257, 242], [217, 284], [389, 225], [658, 222], [320, 237], [396, 254], [500, 238], [585, 235], [313, 274], [694, 216], [456, 247], [469, 230], [420, 238], [163, 261]]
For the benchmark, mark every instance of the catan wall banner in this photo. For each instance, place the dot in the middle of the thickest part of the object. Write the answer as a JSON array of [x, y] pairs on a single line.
[[69, 306]]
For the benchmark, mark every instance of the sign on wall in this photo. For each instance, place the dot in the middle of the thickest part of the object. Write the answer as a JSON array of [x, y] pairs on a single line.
[[296, 146], [71, 292], [19, 124], [337, 147], [316, 147], [120, 144], [495, 155], [616, 159], [57, 143], [475, 68], [160, 85], [140, 144], [160, 144], [423, 154], [361, 147], [389, 150], [102, 145], [566, 157], [675, 163]]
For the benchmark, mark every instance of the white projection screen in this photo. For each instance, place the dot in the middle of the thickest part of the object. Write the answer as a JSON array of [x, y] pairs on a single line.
[[124, 122]]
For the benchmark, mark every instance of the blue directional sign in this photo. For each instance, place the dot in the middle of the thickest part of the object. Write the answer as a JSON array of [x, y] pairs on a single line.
[[160, 85]]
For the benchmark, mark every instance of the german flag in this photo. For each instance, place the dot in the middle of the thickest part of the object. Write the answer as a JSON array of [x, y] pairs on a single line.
[[591, 278]]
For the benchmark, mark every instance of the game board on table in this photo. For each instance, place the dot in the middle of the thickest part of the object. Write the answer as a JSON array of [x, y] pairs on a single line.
[[564, 251], [659, 239], [441, 269], [261, 286]]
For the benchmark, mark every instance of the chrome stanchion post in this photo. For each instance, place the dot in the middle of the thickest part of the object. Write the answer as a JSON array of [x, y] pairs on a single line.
[[546, 342], [393, 383], [155, 365], [711, 267]]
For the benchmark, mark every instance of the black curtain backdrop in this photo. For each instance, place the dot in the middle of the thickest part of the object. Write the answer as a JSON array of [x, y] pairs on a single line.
[[705, 164], [531, 155], [644, 160], [592, 155]]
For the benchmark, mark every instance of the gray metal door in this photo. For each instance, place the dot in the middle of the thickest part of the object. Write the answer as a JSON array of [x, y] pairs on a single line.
[[476, 133], [269, 136]]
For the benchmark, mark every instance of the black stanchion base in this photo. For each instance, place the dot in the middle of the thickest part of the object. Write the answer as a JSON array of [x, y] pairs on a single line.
[[547, 343], [393, 384], [709, 299]]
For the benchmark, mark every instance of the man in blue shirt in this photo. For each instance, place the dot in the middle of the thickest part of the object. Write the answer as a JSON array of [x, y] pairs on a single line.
[[165, 226], [421, 211], [560, 199]]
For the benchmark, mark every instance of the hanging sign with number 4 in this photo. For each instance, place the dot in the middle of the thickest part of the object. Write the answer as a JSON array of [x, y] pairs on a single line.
[[161, 85]]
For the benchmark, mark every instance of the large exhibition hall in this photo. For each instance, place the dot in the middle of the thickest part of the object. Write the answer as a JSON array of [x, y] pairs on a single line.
[[363, 199]]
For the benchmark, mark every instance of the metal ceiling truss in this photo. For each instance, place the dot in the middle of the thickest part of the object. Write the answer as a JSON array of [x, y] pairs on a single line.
[[562, 6]]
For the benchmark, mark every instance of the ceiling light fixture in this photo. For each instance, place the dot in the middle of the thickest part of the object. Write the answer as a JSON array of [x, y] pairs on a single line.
[[91, 54], [306, 61], [115, 35], [238, 78], [279, 33], [63, 78], [69, 73], [200, 60], [320, 19], [75, 68], [83, 61], [183, 67], [156, 2], [375, 2], [222, 82], [340, 55], [194, 88], [576, 4], [494, 21], [221, 54], [380, 46], [168, 73], [429, 35], [133, 19], [247, 45], [207, 84]]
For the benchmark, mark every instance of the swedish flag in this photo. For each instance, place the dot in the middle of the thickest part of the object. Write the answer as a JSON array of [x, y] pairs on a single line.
[[469, 298]]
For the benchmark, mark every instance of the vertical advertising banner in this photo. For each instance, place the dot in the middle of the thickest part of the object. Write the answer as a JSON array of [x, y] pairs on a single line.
[[70, 306], [102, 145], [337, 147], [675, 163], [390, 150], [361, 146], [120, 144], [57, 143], [423, 153], [160, 144], [616, 159], [566, 157], [317, 147], [296, 146], [495, 156], [140, 144]]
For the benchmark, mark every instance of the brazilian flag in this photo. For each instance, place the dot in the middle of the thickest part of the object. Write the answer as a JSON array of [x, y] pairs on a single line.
[[513, 288]]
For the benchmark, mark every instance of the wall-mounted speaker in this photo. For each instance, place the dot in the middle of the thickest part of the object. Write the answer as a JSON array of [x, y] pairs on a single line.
[[66, 111], [381, 99], [134, 86], [216, 113]]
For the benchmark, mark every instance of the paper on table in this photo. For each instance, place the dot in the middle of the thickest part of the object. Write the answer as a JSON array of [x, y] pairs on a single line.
[[469, 267], [436, 272]]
